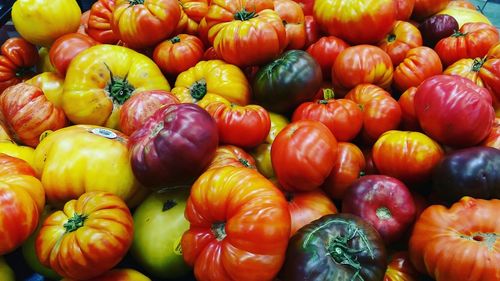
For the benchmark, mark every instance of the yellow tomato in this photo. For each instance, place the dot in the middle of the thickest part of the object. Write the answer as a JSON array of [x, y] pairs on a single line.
[[44, 64], [25, 153], [100, 79], [6, 273], [41, 22], [464, 15], [84, 158], [51, 85]]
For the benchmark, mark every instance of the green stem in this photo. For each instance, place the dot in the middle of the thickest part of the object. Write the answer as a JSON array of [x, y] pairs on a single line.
[[74, 222], [245, 163], [135, 2], [169, 204], [176, 39], [477, 64], [199, 89], [118, 88], [457, 33], [340, 250], [391, 38], [383, 213], [244, 15], [219, 230]]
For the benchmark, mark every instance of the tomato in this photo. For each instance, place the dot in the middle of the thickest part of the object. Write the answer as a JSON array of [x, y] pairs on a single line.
[[307, 6], [207, 80], [465, 15], [41, 22], [102, 78], [145, 23], [6, 273], [288, 81], [308, 206], [44, 64], [156, 245], [361, 64], [325, 52], [51, 84], [349, 166], [99, 24], [471, 41], [239, 226], [84, 23], [66, 47], [29, 113], [426, 8], [119, 275], [75, 236], [312, 30], [436, 28], [454, 111], [404, 9], [178, 54], [293, 18], [441, 236], [303, 155], [381, 112], [403, 37], [4, 132], [349, 20], [461, 4], [230, 155], [468, 68], [400, 268], [25, 153], [409, 119], [174, 146], [246, 33], [335, 247], [244, 126], [493, 140], [419, 64], [139, 107], [192, 11], [210, 54], [16, 59]]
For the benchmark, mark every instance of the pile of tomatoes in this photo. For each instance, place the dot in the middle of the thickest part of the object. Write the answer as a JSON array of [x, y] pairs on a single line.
[[247, 140]]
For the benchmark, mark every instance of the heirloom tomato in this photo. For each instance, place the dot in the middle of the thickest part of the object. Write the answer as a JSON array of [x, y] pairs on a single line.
[[404, 9], [409, 119], [454, 111], [144, 23], [245, 126], [87, 238], [178, 53], [442, 236], [361, 64], [239, 226], [51, 84], [312, 30], [29, 112], [44, 64], [41, 22], [25, 153], [156, 245], [84, 158], [119, 275], [99, 24], [174, 146], [325, 52], [400, 268], [293, 18], [303, 155], [349, 166], [425, 8], [230, 155], [436, 28], [210, 54], [493, 140], [464, 15], [335, 247], [102, 78], [6, 273], [247, 32], [208, 81], [139, 107], [17, 57], [381, 112], [192, 12], [4, 132], [419, 64], [66, 47], [403, 37], [471, 41], [349, 20], [307, 6], [22, 199]]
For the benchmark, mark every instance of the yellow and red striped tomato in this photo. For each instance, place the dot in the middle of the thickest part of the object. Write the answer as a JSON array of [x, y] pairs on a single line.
[[192, 12], [402, 38], [230, 155]]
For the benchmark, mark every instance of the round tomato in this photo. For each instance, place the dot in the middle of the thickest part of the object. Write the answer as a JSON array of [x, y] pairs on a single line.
[[426, 8], [293, 18], [436, 28], [66, 47], [230, 155], [178, 54], [403, 37], [17, 57], [409, 119], [325, 52], [99, 24]]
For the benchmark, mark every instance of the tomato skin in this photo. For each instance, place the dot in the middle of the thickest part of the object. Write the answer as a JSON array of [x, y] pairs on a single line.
[[464, 226], [465, 15], [192, 12], [426, 8], [99, 24], [454, 111], [17, 56], [239, 226], [66, 47], [419, 64], [178, 54], [493, 139], [230, 155], [409, 121], [436, 28], [462, 4], [119, 275], [468, 68], [303, 155], [325, 52], [362, 64], [67, 237], [293, 16], [403, 37], [312, 30], [400, 268], [404, 9], [348, 20]]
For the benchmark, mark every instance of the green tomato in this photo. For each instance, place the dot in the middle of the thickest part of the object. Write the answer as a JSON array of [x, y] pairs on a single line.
[[6, 273], [159, 224]]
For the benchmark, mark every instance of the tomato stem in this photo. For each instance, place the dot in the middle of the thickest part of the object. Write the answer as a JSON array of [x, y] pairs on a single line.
[[391, 37], [74, 222], [119, 90], [383, 213], [176, 39], [289, 196], [219, 230], [457, 33], [169, 204], [340, 250], [245, 163], [244, 15], [199, 89], [135, 2], [477, 64]]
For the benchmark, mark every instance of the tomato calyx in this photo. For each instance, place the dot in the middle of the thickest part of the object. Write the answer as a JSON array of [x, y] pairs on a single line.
[[338, 248], [199, 89], [136, 2], [391, 38], [244, 15], [75, 222], [488, 239], [118, 88], [328, 94], [289, 196], [22, 71], [477, 64], [174, 40], [457, 33], [383, 213], [219, 230], [169, 204], [245, 163]]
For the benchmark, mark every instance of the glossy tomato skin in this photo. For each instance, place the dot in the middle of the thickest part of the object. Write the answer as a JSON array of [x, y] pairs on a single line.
[[419, 64], [311, 251], [313, 32], [192, 12], [349, 19], [239, 226], [409, 119], [325, 52], [293, 18], [178, 53], [468, 68], [99, 23], [469, 225], [453, 110], [426, 8], [468, 172], [66, 47], [17, 56], [283, 84], [303, 155], [401, 269], [493, 139], [230, 155], [403, 37], [384, 202], [404, 9], [436, 28], [69, 236], [174, 146]]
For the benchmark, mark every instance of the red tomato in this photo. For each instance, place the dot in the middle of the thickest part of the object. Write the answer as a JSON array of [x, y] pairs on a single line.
[[325, 52], [409, 119], [362, 64], [178, 54], [293, 18], [211, 54], [303, 155], [99, 24], [401, 269], [381, 112], [404, 9], [245, 126], [307, 6], [425, 8], [16, 59], [312, 30], [139, 107], [349, 166], [84, 23], [230, 155], [66, 47], [403, 37], [471, 41], [493, 139], [420, 63]]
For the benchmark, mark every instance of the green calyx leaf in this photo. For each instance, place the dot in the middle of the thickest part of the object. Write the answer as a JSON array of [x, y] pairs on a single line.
[[244, 15], [119, 89], [75, 222], [199, 89]]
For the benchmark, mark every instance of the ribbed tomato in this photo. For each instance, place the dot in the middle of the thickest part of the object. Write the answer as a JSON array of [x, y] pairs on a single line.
[[16, 59], [409, 119], [403, 37], [178, 53], [419, 64], [230, 155], [99, 24], [192, 12], [293, 18]]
